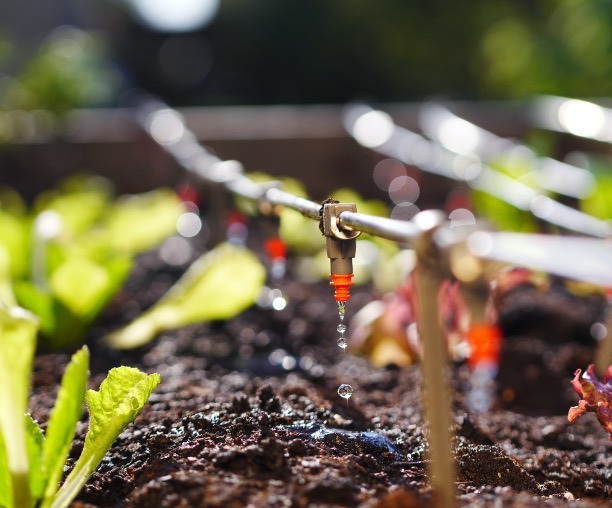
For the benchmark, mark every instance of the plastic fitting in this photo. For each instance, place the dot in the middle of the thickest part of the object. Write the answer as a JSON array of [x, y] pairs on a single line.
[[485, 344], [341, 248]]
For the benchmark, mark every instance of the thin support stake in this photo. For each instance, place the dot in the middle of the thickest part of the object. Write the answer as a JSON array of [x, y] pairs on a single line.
[[437, 392], [429, 276]]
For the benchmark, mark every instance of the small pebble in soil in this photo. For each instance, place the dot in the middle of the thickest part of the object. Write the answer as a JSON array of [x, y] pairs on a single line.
[[345, 391], [342, 342]]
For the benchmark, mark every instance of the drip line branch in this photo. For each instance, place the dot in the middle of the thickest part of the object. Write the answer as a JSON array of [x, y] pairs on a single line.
[[553, 254]]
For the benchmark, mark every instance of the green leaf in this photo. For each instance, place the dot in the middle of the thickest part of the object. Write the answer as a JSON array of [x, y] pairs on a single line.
[[599, 203], [15, 239], [17, 344], [6, 491], [503, 215], [80, 201], [78, 283], [121, 397], [80, 289], [6, 289], [141, 221], [39, 302], [219, 285], [67, 411], [35, 442]]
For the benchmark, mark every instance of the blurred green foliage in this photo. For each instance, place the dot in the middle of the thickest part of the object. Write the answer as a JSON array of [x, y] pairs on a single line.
[[70, 70], [67, 276], [558, 47], [599, 204], [279, 51], [282, 51]]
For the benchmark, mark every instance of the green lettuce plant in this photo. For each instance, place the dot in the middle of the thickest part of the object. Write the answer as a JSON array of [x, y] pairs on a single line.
[[68, 274], [32, 463], [219, 285]]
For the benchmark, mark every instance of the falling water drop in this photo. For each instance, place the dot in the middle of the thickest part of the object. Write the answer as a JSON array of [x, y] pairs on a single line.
[[341, 328], [342, 342], [341, 310], [345, 391]]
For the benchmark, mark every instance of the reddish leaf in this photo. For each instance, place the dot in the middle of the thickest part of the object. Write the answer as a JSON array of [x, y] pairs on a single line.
[[595, 396]]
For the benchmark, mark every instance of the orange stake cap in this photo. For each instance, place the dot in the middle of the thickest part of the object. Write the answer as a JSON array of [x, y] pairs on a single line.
[[485, 343], [342, 283]]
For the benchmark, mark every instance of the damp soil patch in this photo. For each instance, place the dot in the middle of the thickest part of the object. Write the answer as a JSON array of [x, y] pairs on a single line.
[[247, 413]]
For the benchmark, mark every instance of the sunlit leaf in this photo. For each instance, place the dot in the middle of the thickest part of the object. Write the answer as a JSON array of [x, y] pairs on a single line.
[[121, 397], [80, 201], [219, 285], [67, 411], [34, 444], [18, 332], [141, 221], [6, 490]]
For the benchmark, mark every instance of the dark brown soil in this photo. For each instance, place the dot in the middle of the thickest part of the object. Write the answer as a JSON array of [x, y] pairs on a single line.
[[247, 413]]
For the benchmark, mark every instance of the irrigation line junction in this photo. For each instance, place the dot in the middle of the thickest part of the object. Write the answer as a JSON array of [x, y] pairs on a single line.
[[441, 252]]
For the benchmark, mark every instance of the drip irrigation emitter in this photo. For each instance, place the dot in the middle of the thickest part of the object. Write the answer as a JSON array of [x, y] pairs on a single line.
[[275, 249], [483, 335], [341, 248], [274, 246]]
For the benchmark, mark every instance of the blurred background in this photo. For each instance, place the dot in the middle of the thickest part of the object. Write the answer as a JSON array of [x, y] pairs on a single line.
[[212, 52], [241, 59]]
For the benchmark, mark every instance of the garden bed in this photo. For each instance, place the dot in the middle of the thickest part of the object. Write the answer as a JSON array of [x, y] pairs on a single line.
[[247, 412]]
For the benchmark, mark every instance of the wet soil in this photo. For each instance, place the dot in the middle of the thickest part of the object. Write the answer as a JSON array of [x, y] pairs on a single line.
[[247, 413]]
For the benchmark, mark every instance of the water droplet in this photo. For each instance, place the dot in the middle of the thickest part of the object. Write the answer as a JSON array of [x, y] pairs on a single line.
[[342, 342], [345, 391], [341, 310], [341, 328]]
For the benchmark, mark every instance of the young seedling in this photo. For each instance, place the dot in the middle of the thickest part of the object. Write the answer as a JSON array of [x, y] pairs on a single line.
[[32, 464]]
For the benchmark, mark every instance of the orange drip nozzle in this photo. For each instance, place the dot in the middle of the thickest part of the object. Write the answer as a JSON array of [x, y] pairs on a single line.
[[485, 343], [276, 248], [342, 283]]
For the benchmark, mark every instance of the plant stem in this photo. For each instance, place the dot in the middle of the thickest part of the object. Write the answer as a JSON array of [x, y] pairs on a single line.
[[73, 484], [21, 489]]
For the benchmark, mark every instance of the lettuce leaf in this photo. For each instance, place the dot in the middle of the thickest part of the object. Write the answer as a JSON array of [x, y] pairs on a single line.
[[34, 444], [121, 397], [6, 289], [18, 329], [67, 411], [79, 290], [6, 491], [219, 285]]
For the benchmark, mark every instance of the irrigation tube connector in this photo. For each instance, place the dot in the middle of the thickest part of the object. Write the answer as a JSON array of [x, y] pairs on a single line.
[[441, 252]]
